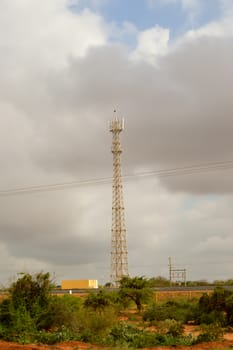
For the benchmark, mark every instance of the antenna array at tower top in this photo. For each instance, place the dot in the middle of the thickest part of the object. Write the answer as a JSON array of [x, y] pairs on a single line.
[[116, 125]]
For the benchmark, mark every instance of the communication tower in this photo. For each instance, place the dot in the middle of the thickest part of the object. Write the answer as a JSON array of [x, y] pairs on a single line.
[[119, 252]]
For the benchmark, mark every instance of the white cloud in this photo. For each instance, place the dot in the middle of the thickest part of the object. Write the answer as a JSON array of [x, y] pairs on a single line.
[[223, 28], [152, 43], [47, 32]]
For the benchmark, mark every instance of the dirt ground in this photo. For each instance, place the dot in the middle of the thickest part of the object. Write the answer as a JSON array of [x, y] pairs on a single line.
[[226, 344]]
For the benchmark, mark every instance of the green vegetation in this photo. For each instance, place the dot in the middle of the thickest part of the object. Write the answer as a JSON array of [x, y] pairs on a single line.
[[215, 308], [31, 314], [136, 289], [210, 332], [178, 310]]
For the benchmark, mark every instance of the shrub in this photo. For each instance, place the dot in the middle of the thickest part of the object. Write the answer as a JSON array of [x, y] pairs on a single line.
[[62, 311], [179, 311], [212, 317], [215, 308], [229, 310], [53, 337], [124, 334], [32, 291], [156, 313], [211, 332], [23, 328], [171, 326], [94, 327], [170, 340], [98, 301], [30, 311]]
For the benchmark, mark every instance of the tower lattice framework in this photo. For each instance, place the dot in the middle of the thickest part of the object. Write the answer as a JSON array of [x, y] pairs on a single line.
[[119, 251]]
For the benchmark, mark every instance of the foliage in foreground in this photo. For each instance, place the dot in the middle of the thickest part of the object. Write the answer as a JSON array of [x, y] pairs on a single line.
[[211, 332], [215, 308], [124, 334], [32, 315]]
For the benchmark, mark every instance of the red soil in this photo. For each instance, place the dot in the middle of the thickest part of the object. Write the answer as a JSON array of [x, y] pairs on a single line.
[[74, 345]]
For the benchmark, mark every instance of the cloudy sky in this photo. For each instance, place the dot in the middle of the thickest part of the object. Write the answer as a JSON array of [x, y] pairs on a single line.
[[166, 67]]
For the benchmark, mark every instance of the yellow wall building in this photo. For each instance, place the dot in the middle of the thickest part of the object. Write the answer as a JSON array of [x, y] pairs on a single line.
[[79, 284]]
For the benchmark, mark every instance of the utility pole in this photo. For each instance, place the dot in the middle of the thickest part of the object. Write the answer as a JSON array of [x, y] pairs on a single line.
[[119, 252], [170, 270], [176, 274]]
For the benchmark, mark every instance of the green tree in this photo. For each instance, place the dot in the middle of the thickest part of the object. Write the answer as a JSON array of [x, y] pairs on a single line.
[[32, 314], [137, 289], [98, 301], [32, 292], [31, 289], [24, 312]]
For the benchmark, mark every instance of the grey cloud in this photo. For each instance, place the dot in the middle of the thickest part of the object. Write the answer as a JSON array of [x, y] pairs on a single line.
[[177, 115]]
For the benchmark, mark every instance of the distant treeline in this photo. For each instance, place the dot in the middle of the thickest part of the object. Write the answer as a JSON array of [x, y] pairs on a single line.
[[160, 281]]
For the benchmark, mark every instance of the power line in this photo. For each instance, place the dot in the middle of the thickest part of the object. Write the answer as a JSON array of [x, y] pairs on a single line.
[[178, 171]]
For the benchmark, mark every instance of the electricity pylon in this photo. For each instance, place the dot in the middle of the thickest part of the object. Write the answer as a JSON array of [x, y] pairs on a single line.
[[119, 252]]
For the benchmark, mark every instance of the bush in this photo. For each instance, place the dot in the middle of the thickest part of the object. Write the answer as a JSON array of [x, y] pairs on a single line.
[[179, 311], [156, 313], [212, 317], [229, 310], [98, 301], [53, 337], [170, 340], [30, 311], [211, 332], [94, 327], [171, 326], [31, 291], [124, 334], [215, 308], [62, 311]]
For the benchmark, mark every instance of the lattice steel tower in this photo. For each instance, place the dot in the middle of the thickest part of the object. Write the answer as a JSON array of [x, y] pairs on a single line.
[[119, 252]]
